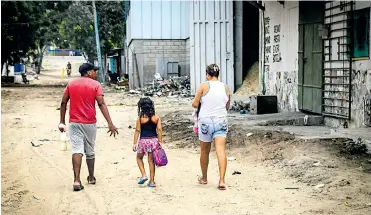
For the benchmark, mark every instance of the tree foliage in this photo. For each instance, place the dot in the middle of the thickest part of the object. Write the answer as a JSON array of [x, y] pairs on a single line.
[[77, 27], [28, 26], [112, 26], [31, 26], [19, 23]]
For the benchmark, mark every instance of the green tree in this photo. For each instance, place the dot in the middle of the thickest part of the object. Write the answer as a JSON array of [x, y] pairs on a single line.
[[19, 23], [77, 27], [48, 31], [112, 28], [28, 28]]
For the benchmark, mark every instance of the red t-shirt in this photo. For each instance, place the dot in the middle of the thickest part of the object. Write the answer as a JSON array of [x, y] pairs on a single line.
[[82, 92]]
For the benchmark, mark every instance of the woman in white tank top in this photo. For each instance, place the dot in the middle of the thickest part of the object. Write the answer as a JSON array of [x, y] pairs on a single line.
[[214, 98]]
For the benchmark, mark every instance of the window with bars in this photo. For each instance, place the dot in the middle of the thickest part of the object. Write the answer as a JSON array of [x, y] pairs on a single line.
[[361, 33]]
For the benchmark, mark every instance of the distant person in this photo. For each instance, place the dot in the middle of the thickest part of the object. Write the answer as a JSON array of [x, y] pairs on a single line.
[[212, 122], [69, 69], [83, 92], [149, 128]]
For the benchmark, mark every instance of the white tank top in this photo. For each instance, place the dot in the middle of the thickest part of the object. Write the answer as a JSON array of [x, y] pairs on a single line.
[[213, 103]]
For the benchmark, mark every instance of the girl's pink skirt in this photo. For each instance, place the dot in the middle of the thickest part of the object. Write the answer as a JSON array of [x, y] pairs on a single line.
[[146, 145]]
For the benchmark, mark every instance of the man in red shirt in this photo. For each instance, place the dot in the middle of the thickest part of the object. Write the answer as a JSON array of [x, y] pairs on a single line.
[[83, 92]]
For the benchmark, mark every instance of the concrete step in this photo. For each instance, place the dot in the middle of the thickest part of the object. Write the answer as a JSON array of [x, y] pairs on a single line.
[[277, 119]]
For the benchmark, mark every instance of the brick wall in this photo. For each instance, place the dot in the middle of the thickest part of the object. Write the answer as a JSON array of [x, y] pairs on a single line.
[[148, 52]]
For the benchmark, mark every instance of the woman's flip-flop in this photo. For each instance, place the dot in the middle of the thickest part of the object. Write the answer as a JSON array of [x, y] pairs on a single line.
[[142, 180], [151, 185], [91, 182], [78, 187], [201, 181], [222, 187]]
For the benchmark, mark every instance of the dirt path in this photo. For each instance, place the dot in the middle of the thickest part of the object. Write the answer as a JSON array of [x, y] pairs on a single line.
[[40, 178]]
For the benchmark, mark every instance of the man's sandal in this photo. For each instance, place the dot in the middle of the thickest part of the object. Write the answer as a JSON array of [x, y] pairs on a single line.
[[91, 182], [78, 187]]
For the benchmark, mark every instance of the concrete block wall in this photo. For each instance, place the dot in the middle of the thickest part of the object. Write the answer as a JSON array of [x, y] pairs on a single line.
[[148, 52]]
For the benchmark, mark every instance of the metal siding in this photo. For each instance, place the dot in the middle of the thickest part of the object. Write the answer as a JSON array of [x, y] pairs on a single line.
[[146, 20], [166, 19], [128, 28], [185, 19], [136, 19], [159, 19], [156, 19], [175, 19], [211, 40]]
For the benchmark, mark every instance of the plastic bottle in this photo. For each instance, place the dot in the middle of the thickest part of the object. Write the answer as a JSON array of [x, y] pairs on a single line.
[[63, 141]]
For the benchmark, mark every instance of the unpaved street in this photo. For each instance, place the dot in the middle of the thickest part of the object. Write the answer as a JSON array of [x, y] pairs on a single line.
[[40, 178]]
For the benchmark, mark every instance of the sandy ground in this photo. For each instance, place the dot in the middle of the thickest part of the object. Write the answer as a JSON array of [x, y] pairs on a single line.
[[40, 178]]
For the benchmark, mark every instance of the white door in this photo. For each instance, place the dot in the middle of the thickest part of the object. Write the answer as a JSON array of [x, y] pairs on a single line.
[[211, 40]]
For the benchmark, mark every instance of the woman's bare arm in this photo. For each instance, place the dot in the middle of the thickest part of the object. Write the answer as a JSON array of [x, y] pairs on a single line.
[[199, 93], [229, 97]]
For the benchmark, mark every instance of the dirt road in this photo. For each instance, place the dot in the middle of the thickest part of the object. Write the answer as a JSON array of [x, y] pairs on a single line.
[[40, 178]]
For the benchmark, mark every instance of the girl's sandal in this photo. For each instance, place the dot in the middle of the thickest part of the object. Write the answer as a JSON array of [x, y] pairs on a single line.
[[151, 185]]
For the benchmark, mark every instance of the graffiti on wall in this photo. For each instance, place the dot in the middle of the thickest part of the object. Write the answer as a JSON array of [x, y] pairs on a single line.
[[287, 90], [276, 45], [361, 88], [267, 41]]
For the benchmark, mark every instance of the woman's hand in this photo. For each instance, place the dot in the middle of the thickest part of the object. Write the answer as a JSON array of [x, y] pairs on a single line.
[[135, 147]]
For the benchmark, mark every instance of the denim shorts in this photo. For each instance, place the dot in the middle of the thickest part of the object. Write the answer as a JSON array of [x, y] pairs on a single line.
[[211, 127]]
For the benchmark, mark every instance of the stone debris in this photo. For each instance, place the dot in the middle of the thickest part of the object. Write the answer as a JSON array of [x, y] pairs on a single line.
[[31, 75], [240, 106], [320, 186], [231, 158], [172, 87]]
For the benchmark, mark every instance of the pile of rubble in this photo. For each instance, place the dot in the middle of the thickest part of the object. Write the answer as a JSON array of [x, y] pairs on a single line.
[[240, 106], [172, 87]]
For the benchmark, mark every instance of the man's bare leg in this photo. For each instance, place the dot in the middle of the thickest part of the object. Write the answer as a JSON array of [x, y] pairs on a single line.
[[76, 163], [91, 162]]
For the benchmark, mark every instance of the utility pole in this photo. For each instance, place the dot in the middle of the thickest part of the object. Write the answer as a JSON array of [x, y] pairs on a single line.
[[101, 72]]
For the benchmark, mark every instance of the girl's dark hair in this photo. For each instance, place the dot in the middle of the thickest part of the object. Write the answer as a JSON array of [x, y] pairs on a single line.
[[146, 107], [213, 70]]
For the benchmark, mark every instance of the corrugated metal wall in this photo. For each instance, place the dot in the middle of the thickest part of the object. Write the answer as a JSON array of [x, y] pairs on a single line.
[[211, 40], [158, 20]]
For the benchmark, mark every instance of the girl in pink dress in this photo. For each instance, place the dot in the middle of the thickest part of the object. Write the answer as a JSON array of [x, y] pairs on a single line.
[[149, 128]]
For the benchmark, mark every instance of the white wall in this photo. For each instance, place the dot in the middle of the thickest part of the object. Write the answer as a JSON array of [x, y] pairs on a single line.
[[280, 77], [158, 19]]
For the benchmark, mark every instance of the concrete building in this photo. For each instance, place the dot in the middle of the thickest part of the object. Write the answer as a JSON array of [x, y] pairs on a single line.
[[315, 58], [157, 40]]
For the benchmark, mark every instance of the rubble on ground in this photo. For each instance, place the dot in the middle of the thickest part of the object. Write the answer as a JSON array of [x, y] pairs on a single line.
[[32, 75], [172, 87], [240, 106]]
